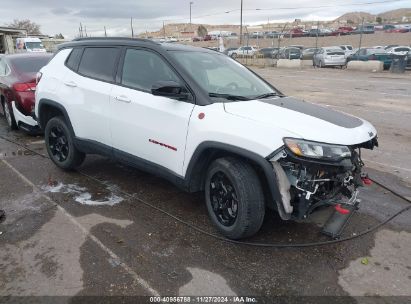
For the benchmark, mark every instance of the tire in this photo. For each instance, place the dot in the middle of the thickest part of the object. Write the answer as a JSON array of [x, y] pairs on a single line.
[[234, 55], [60, 145], [8, 114], [227, 178]]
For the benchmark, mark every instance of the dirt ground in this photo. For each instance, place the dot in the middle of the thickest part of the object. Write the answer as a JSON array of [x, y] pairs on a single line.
[[103, 230], [379, 38]]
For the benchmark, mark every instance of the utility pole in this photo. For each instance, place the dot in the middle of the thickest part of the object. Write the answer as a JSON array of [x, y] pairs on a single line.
[[362, 29], [132, 30], [191, 3], [105, 32], [281, 34], [164, 30], [85, 30], [241, 24], [81, 30], [316, 36]]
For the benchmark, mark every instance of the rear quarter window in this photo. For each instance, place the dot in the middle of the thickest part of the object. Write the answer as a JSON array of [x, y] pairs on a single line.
[[99, 63], [73, 60]]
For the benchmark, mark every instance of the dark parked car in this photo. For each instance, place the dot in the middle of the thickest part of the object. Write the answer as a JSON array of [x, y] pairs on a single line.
[[365, 54], [316, 32], [17, 87], [289, 53], [272, 34], [366, 29], [270, 52], [408, 61]]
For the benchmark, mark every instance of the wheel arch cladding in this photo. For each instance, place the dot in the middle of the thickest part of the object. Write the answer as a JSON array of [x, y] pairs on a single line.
[[208, 151], [49, 109]]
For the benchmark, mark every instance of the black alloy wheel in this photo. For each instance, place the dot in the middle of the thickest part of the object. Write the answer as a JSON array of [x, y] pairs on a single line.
[[223, 199], [58, 144]]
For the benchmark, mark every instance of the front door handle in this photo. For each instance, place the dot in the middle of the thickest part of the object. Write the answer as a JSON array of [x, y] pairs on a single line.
[[123, 98], [70, 84]]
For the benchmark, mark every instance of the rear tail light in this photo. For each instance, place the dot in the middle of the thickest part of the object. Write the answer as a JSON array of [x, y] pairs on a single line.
[[24, 87], [38, 77]]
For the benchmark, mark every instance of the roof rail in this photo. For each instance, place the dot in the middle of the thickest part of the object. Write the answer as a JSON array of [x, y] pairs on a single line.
[[114, 38]]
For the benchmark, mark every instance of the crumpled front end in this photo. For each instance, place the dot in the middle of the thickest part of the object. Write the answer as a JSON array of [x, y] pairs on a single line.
[[308, 184]]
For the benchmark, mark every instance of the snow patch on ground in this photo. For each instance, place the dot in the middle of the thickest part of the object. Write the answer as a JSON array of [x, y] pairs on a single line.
[[82, 196]]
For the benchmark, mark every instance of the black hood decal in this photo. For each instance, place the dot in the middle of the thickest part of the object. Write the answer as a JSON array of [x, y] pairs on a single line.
[[334, 117]]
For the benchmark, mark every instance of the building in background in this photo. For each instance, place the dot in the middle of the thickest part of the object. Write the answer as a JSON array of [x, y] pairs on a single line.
[[8, 36]]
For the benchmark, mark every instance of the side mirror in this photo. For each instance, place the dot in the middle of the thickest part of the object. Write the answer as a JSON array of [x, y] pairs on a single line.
[[169, 89]]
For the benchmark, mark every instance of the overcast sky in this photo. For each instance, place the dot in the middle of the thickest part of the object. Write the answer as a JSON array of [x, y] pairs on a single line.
[[65, 15]]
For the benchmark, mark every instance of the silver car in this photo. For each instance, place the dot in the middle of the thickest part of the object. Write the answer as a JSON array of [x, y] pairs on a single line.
[[329, 56]]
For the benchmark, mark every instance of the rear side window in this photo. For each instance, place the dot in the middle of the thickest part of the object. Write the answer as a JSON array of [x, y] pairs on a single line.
[[99, 63], [74, 59]]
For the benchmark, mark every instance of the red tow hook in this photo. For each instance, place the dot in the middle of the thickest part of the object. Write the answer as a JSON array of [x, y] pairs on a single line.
[[366, 181], [341, 210]]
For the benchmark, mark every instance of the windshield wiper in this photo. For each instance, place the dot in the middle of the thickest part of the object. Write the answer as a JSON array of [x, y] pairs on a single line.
[[267, 95], [228, 96]]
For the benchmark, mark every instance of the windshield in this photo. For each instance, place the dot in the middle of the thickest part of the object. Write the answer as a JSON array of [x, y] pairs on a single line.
[[220, 75], [34, 45]]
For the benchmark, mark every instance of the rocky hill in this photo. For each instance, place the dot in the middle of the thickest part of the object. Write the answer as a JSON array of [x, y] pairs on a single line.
[[398, 15]]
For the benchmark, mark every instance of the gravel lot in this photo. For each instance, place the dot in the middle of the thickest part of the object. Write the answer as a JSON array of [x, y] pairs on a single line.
[[91, 232]]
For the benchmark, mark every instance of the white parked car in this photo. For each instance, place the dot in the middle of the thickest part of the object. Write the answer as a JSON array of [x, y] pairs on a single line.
[[348, 49], [399, 50], [243, 51], [205, 123], [329, 56]]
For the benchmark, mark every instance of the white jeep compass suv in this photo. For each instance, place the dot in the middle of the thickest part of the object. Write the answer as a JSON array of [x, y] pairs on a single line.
[[204, 122]]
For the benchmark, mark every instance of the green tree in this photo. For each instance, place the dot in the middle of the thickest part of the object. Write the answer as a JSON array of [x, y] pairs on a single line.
[[26, 24], [202, 31], [378, 20]]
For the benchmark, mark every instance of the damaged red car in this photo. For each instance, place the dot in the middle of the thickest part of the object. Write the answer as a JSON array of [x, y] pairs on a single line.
[[17, 87]]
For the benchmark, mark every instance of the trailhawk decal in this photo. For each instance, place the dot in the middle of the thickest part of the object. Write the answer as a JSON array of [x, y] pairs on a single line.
[[162, 144]]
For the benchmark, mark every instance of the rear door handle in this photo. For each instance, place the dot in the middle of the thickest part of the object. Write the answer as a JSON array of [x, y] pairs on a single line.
[[123, 98], [70, 84]]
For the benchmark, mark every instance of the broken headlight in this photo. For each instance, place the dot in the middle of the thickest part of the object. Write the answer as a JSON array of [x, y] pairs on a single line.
[[316, 150]]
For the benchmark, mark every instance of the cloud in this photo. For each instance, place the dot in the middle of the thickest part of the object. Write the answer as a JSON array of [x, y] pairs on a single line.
[[65, 15], [61, 11]]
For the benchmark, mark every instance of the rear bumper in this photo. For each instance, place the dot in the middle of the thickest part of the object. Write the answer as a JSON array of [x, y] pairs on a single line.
[[24, 122], [334, 62]]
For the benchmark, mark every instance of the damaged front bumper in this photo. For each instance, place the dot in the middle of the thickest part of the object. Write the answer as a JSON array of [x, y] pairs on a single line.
[[306, 185]]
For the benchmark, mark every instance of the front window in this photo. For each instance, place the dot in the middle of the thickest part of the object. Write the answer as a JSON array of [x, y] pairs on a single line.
[[143, 68], [218, 74], [34, 45]]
